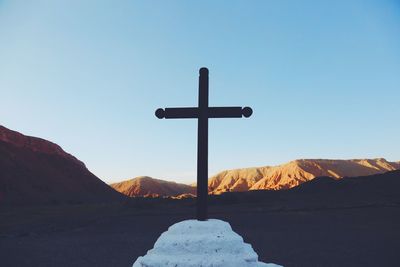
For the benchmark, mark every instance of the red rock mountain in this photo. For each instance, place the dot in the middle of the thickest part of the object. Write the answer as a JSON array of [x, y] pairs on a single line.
[[295, 173], [36, 171], [149, 187], [283, 176]]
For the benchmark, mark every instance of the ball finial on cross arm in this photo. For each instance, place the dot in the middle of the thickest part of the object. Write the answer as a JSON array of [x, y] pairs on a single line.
[[160, 113], [247, 111]]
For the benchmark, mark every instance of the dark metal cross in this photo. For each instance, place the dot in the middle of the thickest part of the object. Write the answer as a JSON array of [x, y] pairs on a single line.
[[203, 112]]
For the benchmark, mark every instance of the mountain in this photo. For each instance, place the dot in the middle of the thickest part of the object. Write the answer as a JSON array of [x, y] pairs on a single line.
[[323, 193], [295, 173], [36, 171], [150, 187], [284, 176]]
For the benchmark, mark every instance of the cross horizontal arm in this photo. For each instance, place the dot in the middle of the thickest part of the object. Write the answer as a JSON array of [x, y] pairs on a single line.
[[229, 112], [177, 113], [212, 112]]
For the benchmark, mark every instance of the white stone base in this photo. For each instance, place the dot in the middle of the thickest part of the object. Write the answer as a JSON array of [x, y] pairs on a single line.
[[193, 243]]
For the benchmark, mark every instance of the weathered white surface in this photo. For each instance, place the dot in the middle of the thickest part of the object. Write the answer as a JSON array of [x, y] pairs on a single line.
[[195, 243]]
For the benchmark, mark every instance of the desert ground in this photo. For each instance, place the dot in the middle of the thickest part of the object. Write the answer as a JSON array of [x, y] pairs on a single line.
[[292, 228]]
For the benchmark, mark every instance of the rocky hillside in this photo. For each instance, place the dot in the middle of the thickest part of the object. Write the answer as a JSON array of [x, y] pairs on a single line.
[[295, 173], [36, 171], [149, 187], [284, 176]]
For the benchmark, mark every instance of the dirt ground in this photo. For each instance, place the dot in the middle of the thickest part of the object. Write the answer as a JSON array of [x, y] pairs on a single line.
[[281, 232]]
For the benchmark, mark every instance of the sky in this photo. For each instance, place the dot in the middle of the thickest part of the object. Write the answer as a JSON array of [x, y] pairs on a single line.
[[322, 77]]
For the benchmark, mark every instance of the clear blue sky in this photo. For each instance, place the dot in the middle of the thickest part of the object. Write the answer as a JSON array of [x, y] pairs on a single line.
[[323, 78]]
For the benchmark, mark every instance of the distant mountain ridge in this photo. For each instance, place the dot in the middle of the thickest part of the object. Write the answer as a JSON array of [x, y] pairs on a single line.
[[324, 192], [37, 171], [34, 171], [283, 176], [145, 186], [294, 173]]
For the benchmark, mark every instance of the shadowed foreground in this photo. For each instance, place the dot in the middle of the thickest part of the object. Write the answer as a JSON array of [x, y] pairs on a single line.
[[347, 224]]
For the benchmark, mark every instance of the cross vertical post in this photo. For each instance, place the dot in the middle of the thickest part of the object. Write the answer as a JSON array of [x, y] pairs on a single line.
[[202, 147], [203, 112]]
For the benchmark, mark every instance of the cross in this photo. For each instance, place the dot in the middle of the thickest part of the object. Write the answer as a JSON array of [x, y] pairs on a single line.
[[203, 112]]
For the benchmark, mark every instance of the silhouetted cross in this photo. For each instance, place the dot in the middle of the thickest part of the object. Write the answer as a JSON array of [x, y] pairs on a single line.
[[203, 113]]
